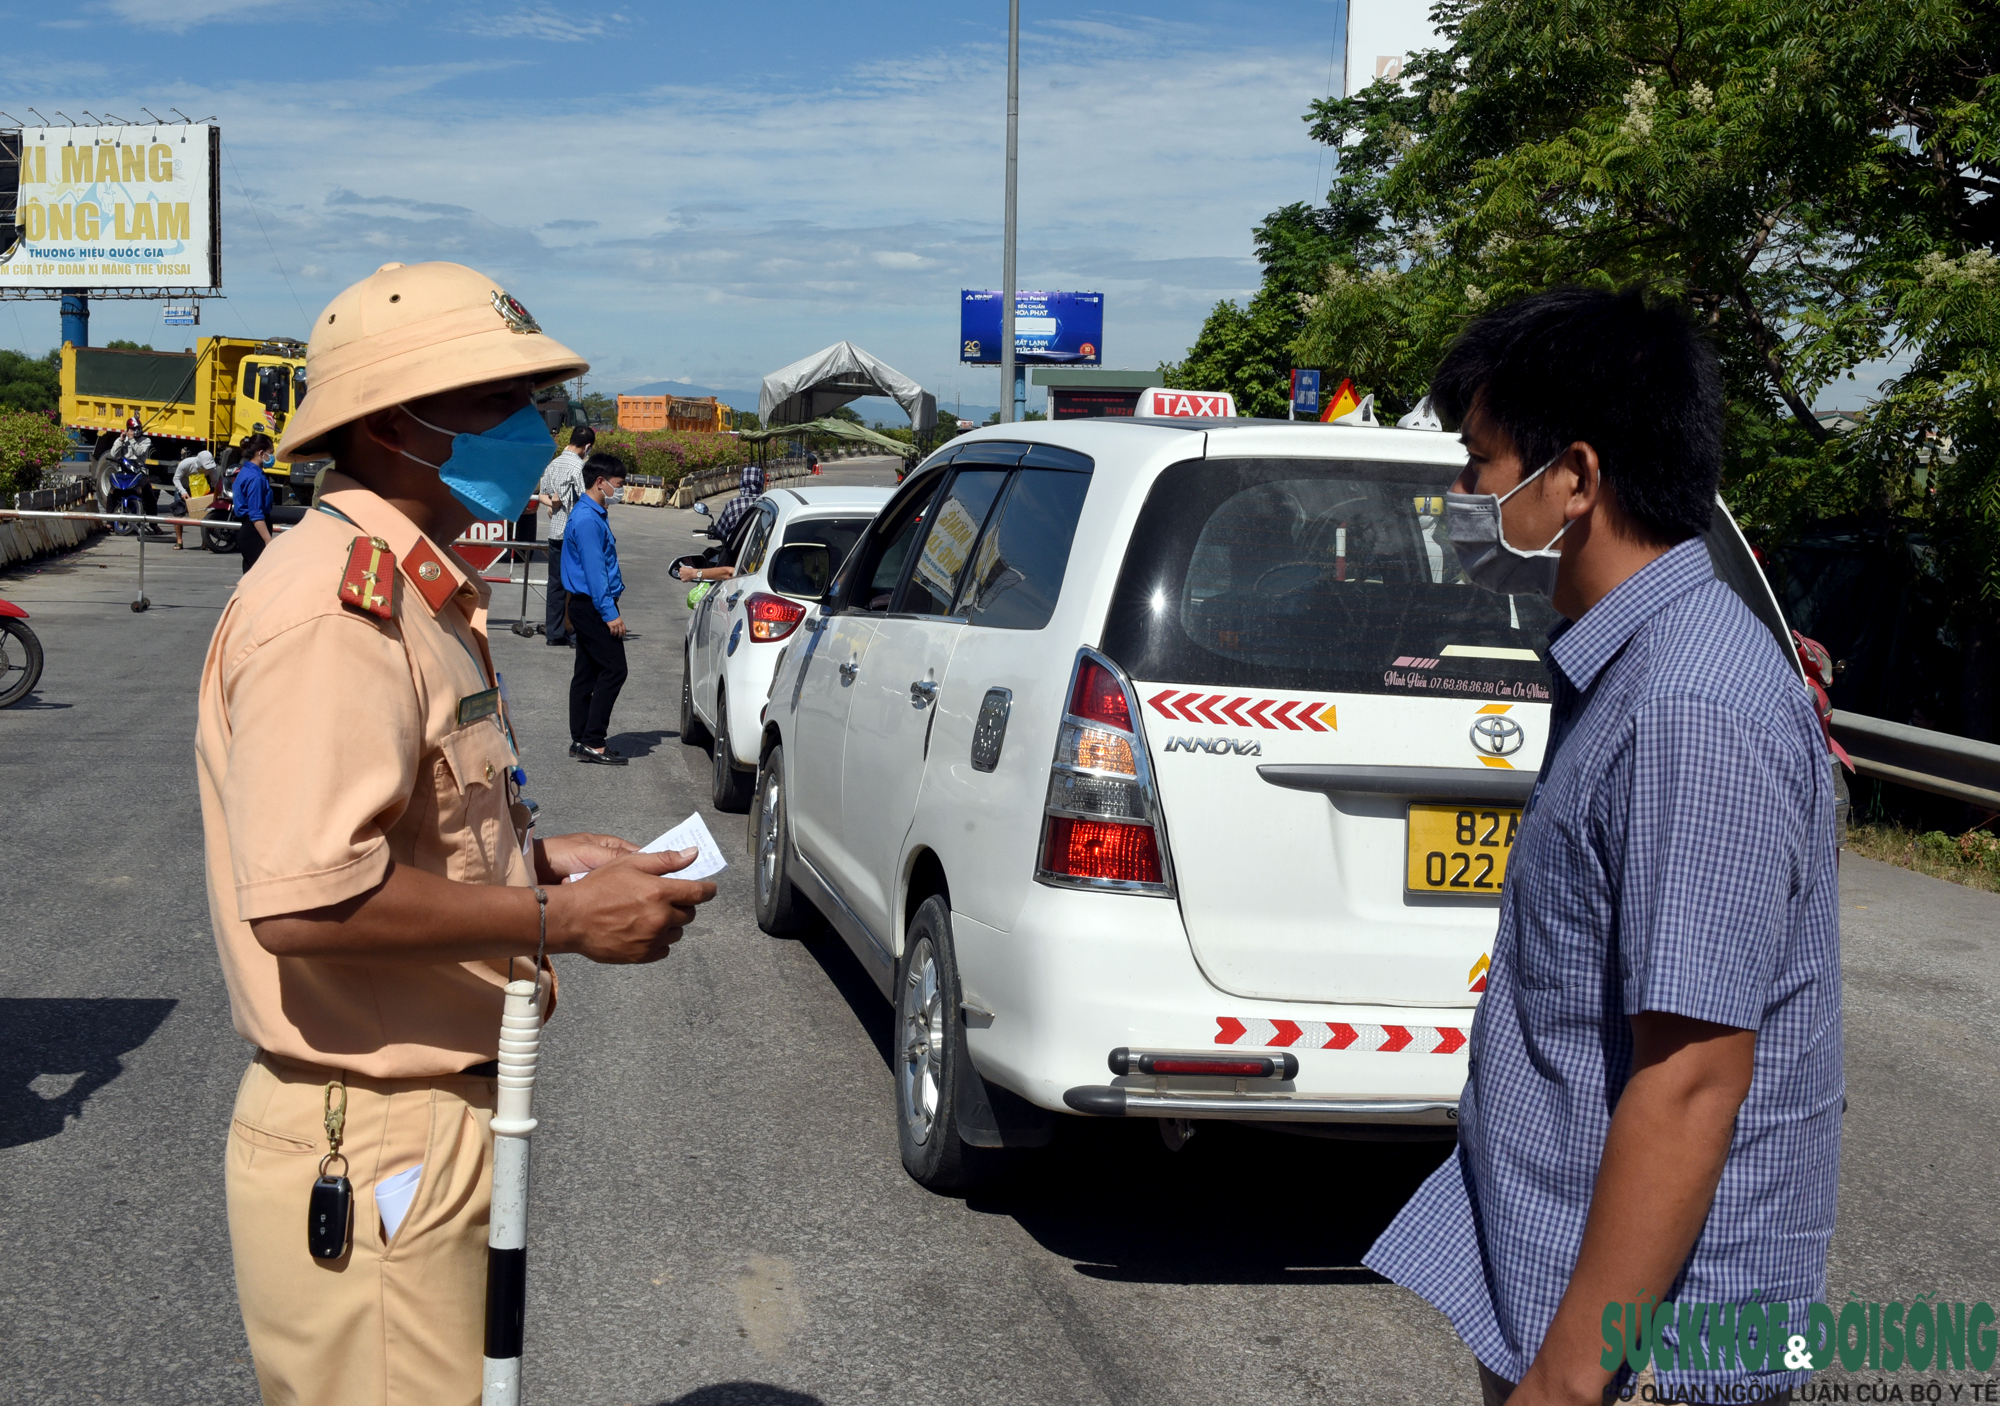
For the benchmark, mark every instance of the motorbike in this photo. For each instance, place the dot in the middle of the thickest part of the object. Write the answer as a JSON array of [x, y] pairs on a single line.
[[20, 655], [128, 493], [220, 539]]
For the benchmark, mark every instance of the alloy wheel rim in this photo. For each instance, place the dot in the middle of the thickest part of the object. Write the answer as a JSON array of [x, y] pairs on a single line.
[[767, 841], [921, 1068]]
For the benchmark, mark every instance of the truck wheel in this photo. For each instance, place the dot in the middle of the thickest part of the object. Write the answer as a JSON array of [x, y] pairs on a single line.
[[781, 908], [930, 1045], [692, 732], [20, 661], [729, 786]]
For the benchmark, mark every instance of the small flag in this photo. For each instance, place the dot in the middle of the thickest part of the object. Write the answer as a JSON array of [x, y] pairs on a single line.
[[1343, 401]]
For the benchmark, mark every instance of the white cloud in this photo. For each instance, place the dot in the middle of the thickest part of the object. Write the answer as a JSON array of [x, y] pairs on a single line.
[[543, 23], [181, 15], [723, 232]]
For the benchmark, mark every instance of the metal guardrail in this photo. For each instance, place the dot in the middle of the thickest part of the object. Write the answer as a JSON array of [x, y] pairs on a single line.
[[1938, 762]]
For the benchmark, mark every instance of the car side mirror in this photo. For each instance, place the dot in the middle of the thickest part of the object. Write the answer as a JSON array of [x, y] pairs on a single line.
[[800, 569]]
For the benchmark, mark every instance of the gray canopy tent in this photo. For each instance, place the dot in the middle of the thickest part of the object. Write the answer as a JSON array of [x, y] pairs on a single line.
[[814, 387]]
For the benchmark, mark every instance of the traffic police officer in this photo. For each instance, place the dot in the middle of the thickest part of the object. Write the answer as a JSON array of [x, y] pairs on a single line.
[[372, 886]]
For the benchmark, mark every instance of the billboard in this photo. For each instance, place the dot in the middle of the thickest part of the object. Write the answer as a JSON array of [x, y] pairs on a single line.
[[1381, 35], [1065, 329], [115, 207]]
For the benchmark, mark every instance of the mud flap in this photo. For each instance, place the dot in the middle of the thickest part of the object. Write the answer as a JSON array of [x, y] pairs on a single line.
[[990, 1116]]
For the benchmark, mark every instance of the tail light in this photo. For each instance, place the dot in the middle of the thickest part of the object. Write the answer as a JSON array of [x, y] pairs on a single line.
[[772, 617], [1101, 827]]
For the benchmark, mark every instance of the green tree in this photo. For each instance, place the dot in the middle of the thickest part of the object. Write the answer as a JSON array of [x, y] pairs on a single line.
[[1248, 351], [1810, 177], [30, 383], [119, 344]]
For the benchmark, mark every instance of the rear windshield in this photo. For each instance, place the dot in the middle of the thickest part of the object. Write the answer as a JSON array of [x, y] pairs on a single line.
[[1333, 575], [837, 534]]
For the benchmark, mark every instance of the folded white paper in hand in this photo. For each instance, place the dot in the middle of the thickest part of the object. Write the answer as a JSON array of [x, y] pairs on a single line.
[[691, 833], [393, 1196]]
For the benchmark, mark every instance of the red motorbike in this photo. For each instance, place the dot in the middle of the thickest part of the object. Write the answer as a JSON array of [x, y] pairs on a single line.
[[20, 655]]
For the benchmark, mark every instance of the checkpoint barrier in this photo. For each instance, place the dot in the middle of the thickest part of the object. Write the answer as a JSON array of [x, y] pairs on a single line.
[[22, 520]]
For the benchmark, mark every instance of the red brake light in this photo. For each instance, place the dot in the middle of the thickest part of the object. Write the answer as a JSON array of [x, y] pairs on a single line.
[[772, 617], [1097, 849], [1100, 697]]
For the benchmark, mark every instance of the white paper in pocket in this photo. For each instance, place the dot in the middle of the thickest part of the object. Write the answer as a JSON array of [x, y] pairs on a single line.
[[392, 1199]]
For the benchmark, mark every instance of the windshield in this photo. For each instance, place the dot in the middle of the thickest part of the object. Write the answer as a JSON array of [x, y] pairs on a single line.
[[1319, 574], [839, 534]]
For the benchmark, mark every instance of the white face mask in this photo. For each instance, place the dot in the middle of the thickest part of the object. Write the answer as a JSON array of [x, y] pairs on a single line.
[[1472, 520]]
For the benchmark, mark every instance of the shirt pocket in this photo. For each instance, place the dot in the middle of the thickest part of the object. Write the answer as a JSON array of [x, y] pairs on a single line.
[[473, 818]]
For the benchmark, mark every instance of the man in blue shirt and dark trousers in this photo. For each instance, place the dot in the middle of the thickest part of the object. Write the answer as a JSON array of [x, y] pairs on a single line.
[[1649, 1134], [590, 575]]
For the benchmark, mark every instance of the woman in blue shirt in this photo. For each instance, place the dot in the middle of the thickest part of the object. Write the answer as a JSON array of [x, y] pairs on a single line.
[[250, 500]]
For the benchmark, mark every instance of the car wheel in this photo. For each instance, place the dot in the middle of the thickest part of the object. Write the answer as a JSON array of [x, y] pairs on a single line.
[[20, 661], [781, 908], [930, 1044], [729, 786], [692, 731]]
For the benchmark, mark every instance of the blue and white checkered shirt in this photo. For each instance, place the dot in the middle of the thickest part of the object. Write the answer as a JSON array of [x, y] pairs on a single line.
[[1677, 856]]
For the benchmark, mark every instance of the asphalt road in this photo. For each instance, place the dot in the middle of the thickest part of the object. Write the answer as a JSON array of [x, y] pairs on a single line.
[[719, 1214]]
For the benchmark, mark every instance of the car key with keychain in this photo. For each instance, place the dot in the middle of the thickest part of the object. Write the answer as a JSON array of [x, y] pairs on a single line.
[[330, 1211]]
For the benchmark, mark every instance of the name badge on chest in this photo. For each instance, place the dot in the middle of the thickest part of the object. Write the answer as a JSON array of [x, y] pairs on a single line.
[[475, 706]]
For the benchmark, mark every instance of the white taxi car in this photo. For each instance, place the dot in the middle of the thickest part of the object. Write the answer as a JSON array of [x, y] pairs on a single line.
[[786, 549], [1163, 768]]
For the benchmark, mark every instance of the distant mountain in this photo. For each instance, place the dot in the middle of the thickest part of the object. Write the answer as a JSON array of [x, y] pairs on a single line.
[[869, 408], [735, 400]]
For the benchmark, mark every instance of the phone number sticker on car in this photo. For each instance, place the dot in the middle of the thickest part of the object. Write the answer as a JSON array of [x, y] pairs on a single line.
[[1460, 849]]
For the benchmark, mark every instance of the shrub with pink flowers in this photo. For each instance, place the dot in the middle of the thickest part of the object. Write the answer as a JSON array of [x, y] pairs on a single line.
[[31, 445], [671, 455]]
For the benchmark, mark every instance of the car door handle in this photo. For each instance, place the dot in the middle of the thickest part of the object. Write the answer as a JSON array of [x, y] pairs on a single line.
[[735, 596], [849, 670], [923, 693]]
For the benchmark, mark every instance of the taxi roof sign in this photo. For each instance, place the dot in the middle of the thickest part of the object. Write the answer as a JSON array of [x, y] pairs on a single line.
[[1159, 402]]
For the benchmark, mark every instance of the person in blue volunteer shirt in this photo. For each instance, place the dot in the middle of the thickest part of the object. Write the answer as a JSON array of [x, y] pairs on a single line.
[[590, 575], [250, 500]]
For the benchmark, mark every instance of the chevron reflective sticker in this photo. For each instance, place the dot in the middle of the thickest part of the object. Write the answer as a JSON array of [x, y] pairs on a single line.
[[1221, 710], [1338, 1035]]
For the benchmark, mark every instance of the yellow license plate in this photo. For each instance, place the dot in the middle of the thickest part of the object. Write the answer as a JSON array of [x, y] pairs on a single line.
[[1460, 849]]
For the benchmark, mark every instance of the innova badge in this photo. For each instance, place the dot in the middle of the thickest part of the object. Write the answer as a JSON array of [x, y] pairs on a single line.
[[1216, 746]]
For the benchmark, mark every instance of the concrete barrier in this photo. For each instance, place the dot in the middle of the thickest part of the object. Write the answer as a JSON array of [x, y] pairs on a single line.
[[24, 539]]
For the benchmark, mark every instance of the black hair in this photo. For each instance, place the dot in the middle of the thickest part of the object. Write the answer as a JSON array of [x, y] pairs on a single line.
[[602, 466], [582, 437], [255, 444], [1623, 372]]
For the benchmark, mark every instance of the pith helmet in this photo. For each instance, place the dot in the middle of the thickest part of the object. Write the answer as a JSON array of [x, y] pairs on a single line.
[[411, 330]]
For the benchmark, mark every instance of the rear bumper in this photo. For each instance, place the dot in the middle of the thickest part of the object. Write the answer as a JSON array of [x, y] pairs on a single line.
[[1115, 1102], [1081, 974]]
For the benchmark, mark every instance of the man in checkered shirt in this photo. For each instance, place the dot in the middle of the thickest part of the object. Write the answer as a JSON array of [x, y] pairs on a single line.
[[1654, 1100]]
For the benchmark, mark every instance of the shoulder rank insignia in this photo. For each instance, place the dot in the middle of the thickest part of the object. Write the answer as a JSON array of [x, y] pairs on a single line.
[[370, 577], [428, 573]]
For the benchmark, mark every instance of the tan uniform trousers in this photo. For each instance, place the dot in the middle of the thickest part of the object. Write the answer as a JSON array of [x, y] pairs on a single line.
[[401, 1324]]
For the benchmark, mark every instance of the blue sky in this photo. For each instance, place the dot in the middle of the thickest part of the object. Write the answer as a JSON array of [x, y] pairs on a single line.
[[704, 193]]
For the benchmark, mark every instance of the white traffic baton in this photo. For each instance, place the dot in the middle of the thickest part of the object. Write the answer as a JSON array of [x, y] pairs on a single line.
[[507, 1236]]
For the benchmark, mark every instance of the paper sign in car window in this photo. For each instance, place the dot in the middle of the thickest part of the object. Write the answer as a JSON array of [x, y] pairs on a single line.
[[946, 547]]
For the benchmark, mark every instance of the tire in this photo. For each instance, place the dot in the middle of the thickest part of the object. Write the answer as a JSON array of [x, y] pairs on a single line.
[[692, 731], [729, 785], [20, 661], [930, 1045], [781, 908], [220, 540], [121, 505]]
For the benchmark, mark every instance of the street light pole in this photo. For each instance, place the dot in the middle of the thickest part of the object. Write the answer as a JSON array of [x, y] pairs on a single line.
[[1007, 369]]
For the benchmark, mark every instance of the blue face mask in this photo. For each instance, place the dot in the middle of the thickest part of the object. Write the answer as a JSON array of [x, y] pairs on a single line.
[[492, 474]]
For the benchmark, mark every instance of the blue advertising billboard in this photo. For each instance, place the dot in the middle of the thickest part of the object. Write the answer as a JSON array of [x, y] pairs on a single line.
[[1065, 329]]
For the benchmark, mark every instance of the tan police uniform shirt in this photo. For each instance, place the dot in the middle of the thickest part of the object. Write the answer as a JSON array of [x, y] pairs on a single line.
[[330, 742]]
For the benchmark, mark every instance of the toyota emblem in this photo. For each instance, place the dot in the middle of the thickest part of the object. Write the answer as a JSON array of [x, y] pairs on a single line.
[[1497, 736]]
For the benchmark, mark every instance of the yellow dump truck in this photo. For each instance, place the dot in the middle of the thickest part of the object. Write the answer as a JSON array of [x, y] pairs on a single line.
[[210, 398], [699, 414]]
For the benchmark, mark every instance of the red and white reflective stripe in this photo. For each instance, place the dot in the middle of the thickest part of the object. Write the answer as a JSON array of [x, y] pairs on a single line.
[[1337, 1035], [1298, 714]]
